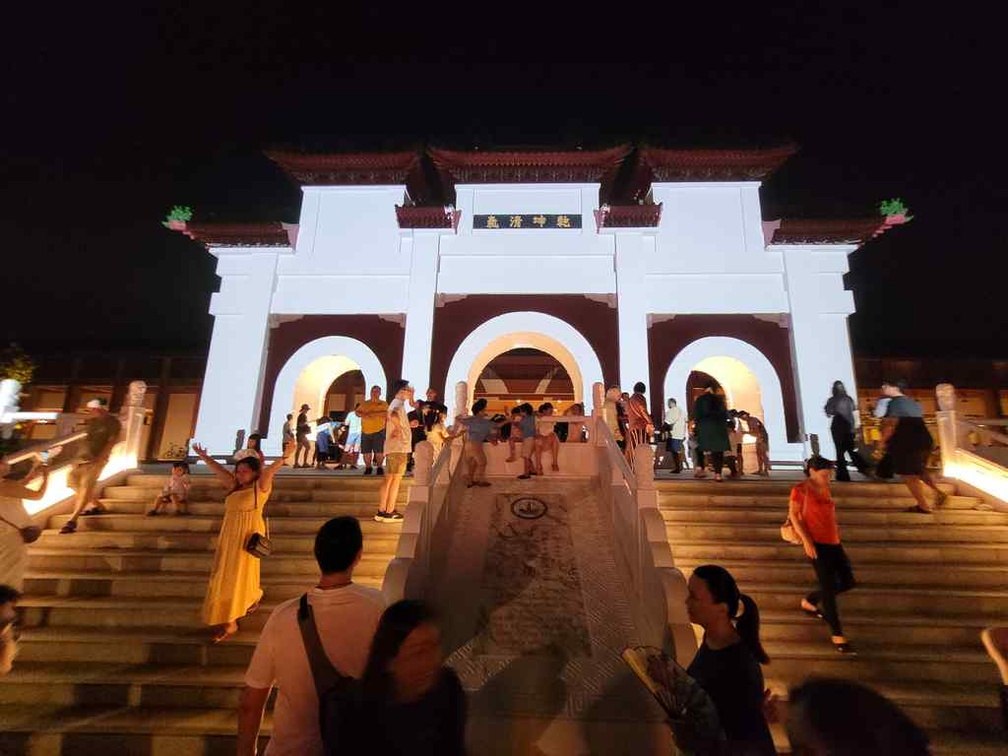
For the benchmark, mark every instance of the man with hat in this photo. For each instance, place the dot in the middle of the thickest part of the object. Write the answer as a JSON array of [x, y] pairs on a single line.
[[103, 429]]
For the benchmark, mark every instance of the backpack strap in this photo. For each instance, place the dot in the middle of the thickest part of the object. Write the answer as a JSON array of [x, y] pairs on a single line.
[[324, 673]]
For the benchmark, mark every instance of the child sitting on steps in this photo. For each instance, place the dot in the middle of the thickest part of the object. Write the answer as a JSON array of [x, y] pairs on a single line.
[[176, 492]]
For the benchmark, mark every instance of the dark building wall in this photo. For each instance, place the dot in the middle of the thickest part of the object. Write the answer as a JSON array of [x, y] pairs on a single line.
[[384, 337], [453, 321], [668, 337]]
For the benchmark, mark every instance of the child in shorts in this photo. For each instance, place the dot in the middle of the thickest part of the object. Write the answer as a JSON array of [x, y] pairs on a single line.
[[546, 439], [176, 492]]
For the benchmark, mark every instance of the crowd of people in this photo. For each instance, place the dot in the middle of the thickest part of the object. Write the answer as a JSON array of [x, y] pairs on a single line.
[[340, 648]]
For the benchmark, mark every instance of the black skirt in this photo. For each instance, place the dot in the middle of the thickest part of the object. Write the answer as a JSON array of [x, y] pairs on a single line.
[[909, 446]]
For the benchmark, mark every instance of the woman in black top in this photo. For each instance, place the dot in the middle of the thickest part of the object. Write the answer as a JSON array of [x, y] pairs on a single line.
[[727, 665], [909, 444], [840, 407], [412, 703], [711, 417]]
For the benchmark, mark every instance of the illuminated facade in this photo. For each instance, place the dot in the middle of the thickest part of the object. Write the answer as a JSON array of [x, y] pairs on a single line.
[[627, 264]]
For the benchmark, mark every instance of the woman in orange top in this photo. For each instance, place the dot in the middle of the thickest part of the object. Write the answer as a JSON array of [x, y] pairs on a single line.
[[813, 516]]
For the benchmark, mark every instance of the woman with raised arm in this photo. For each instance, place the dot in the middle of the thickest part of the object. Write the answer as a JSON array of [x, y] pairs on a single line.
[[234, 589]]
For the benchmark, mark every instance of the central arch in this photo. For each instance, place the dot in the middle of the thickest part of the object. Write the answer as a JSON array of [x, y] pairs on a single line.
[[742, 369], [535, 330], [306, 376]]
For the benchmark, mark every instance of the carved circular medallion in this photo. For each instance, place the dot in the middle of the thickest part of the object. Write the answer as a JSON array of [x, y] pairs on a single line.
[[528, 508]]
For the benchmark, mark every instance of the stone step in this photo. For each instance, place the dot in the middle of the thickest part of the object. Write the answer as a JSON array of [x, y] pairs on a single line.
[[852, 517], [196, 523], [333, 480], [927, 554], [796, 660], [362, 495], [899, 631], [797, 571], [896, 534], [109, 612], [177, 584], [128, 561], [321, 509], [91, 537], [892, 600], [751, 486], [36, 729], [964, 707], [744, 502]]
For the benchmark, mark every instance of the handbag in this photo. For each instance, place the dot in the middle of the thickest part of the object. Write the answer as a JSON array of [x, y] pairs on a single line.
[[788, 532], [29, 533], [258, 544]]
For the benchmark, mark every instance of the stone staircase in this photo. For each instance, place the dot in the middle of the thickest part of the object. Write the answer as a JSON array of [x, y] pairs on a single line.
[[113, 656], [927, 586]]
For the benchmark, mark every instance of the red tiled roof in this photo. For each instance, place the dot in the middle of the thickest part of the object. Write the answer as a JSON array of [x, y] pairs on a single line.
[[238, 234], [629, 216], [833, 231], [715, 165], [347, 168], [515, 167], [426, 217]]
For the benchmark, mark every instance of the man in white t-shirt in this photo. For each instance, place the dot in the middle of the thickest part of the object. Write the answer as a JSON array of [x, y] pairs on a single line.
[[398, 445], [675, 419], [346, 616]]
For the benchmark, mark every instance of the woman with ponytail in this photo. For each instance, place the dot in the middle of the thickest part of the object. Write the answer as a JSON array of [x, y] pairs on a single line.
[[727, 665]]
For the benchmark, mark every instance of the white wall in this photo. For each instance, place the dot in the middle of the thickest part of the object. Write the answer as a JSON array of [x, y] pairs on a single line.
[[819, 337]]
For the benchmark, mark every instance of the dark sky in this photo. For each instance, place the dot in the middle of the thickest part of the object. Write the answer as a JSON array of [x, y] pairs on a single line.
[[110, 117]]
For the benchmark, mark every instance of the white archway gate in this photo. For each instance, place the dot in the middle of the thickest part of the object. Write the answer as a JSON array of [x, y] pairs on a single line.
[[307, 375], [535, 330], [718, 353]]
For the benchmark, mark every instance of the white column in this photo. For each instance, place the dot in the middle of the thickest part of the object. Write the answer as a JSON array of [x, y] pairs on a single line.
[[632, 248], [236, 361], [820, 340], [420, 310]]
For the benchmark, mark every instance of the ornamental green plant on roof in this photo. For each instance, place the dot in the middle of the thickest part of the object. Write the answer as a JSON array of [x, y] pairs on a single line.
[[894, 207], [177, 215]]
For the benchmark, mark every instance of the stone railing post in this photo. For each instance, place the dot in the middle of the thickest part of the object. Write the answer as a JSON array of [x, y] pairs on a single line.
[[948, 423], [423, 461], [133, 415]]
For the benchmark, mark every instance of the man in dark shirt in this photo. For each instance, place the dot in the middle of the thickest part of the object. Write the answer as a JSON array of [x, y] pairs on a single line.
[[302, 429], [103, 429]]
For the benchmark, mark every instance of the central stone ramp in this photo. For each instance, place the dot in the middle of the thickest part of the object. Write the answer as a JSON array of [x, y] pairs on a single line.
[[535, 613]]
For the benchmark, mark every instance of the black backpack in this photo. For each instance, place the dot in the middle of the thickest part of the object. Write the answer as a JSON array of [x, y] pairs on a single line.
[[339, 695]]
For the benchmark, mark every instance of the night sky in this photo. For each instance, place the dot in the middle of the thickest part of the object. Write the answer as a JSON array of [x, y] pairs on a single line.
[[110, 118]]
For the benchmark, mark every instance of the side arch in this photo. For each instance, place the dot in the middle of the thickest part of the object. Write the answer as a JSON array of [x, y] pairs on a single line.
[[308, 373], [708, 350], [535, 330]]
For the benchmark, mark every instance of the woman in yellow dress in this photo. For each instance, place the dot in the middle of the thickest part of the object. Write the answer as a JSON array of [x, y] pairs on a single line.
[[234, 589]]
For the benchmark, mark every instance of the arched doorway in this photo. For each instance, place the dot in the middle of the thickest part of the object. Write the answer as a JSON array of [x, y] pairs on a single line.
[[308, 376], [748, 379], [524, 375], [526, 330], [345, 392]]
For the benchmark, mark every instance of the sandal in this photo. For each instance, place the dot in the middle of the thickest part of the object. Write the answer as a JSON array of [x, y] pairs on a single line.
[[845, 649], [918, 509], [70, 527], [814, 613], [225, 632]]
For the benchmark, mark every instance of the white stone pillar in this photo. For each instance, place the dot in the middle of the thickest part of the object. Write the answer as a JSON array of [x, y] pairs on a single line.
[[820, 341], [632, 248], [236, 362], [420, 310]]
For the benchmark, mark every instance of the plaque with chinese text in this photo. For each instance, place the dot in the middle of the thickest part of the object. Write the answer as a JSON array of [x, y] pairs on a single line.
[[533, 221]]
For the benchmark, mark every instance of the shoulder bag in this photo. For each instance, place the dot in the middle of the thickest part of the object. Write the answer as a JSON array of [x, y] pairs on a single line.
[[258, 544], [29, 533], [787, 529]]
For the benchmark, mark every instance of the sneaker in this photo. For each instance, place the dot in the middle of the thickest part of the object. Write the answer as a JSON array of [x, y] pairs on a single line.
[[367, 470], [393, 517], [380, 517], [379, 471]]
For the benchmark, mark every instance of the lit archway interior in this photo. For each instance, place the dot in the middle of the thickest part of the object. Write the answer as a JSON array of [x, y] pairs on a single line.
[[741, 387], [306, 377], [524, 375], [527, 340]]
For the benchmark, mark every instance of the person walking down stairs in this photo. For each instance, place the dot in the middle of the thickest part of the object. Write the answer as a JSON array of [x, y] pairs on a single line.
[[840, 408], [234, 589], [908, 445], [995, 641], [727, 664], [812, 514]]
